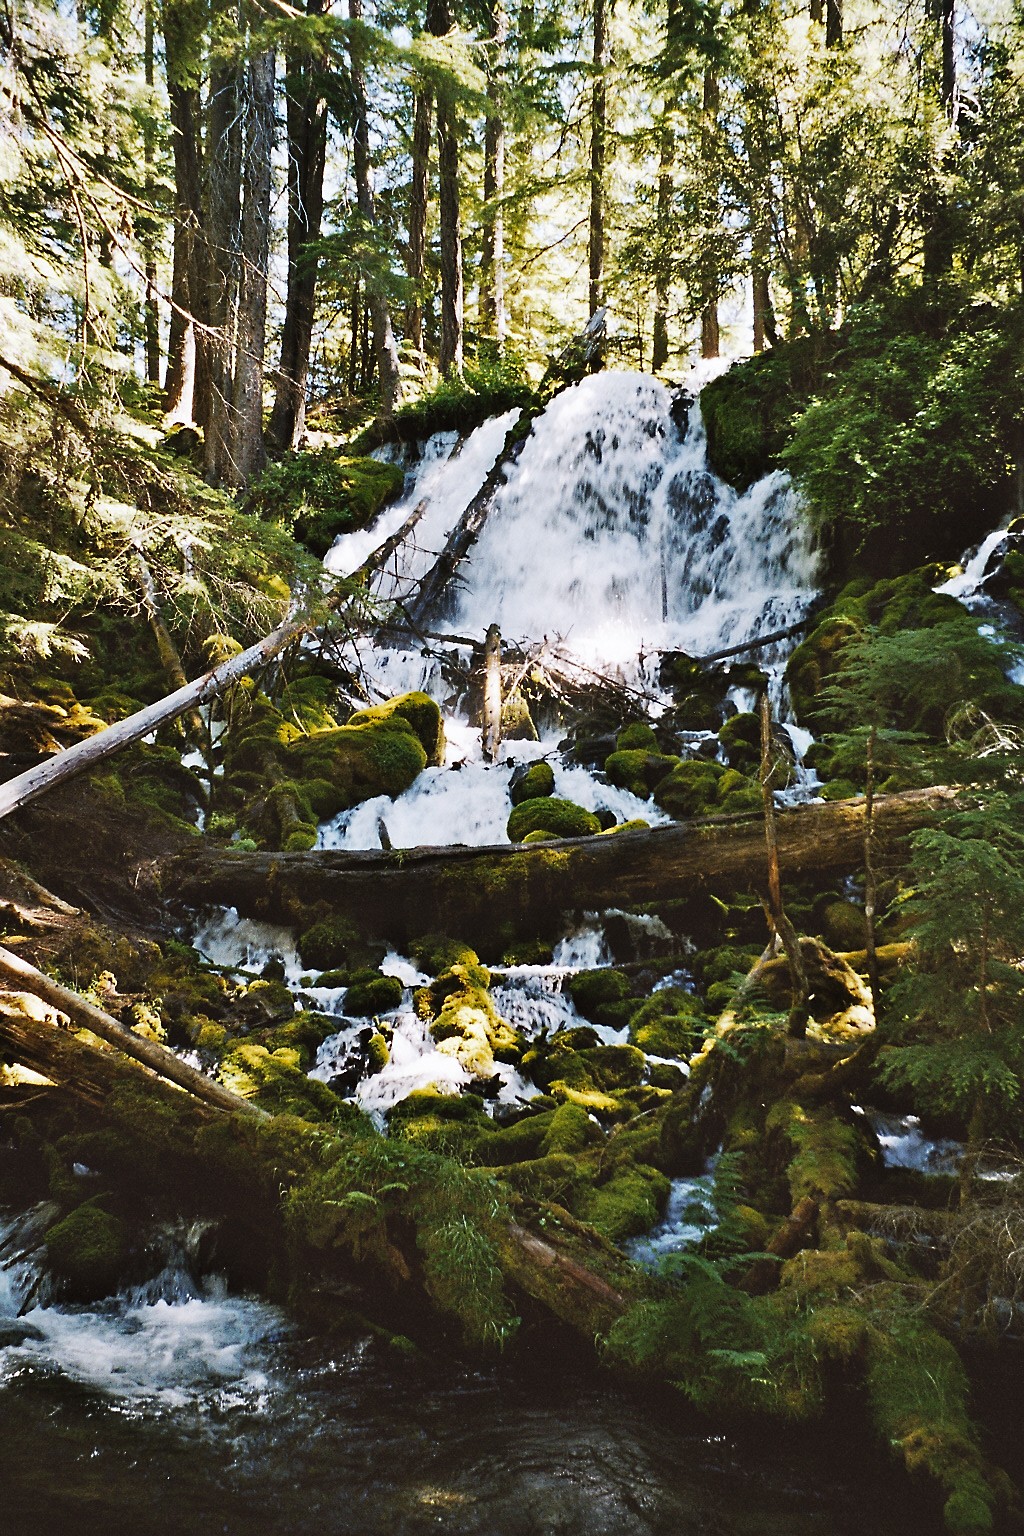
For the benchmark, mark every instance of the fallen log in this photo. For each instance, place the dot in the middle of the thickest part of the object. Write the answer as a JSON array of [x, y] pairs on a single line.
[[477, 892], [18, 973]]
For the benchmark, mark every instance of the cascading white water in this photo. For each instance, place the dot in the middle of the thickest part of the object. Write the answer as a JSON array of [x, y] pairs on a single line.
[[610, 533], [613, 533]]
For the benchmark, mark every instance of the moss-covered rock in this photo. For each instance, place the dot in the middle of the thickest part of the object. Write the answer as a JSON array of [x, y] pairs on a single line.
[[537, 782], [559, 818], [87, 1251], [637, 736], [596, 994], [748, 410], [629, 1204], [329, 945], [381, 756], [419, 711], [701, 787], [569, 1130], [638, 769], [382, 994], [740, 737], [669, 1023]]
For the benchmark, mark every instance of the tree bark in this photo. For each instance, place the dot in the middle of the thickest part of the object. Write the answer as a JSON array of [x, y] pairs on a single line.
[[710, 334], [249, 454], [491, 734], [151, 307], [474, 891], [423, 111], [187, 383], [603, 10], [221, 259], [307, 158], [450, 353], [492, 256], [384, 345], [798, 1013]]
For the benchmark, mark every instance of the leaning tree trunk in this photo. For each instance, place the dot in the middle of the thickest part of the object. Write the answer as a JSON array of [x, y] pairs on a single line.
[[307, 157], [250, 456], [384, 346]]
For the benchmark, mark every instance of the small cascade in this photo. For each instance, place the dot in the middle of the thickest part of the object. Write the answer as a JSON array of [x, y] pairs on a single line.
[[978, 564], [177, 1342], [689, 1215]]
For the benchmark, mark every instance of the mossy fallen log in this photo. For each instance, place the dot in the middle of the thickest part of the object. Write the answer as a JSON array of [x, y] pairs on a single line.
[[481, 893]]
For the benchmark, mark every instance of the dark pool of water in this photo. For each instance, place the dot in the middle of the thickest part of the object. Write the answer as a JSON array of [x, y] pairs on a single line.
[[364, 1442]]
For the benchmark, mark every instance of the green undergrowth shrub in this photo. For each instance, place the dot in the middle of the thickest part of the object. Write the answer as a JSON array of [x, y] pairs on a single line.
[[317, 495], [490, 386]]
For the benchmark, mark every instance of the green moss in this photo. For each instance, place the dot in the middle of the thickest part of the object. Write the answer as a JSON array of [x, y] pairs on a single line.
[[419, 711], [638, 770], [740, 737], [825, 1151], [87, 1250], [536, 783], [328, 945], [629, 1204], [669, 1023], [748, 410], [378, 1053], [636, 824], [381, 995], [436, 952], [570, 1129], [839, 789], [690, 789], [638, 735], [319, 494], [595, 992], [548, 814], [541, 837], [379, 757]]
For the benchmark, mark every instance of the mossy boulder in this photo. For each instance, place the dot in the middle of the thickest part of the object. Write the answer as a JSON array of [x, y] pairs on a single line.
[[436, 953], [638, 769], [570, 1130], [629, 1204], [329, 945], [700, 787], [599, 994], [468, 1026], [740, 737], [382, 994], [748, 410], [419, 711], [537, 782], [559, 818], [87, 1251], [669, 1023], [816, 660], [638, 736], [610, 1067], [380, 756]]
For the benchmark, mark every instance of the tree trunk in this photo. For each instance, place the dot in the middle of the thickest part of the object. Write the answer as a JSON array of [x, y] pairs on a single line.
[[799, 1012], [491, 712], [307, 157], [423, 111], [833, 23], [151, 308], [492, 256], [603, 10], [249, 454], [463, 536], [221, 253], [939, 239], [478, 892], [450, 354], [384, 346], [710, 336], [186, 386]]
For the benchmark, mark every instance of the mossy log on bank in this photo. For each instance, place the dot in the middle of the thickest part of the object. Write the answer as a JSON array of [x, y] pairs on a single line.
[[478, 892]]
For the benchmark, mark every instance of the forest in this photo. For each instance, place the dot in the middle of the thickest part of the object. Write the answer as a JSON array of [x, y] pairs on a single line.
[[511, 818]]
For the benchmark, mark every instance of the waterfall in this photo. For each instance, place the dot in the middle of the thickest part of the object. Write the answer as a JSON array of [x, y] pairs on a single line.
[[611, 536]]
